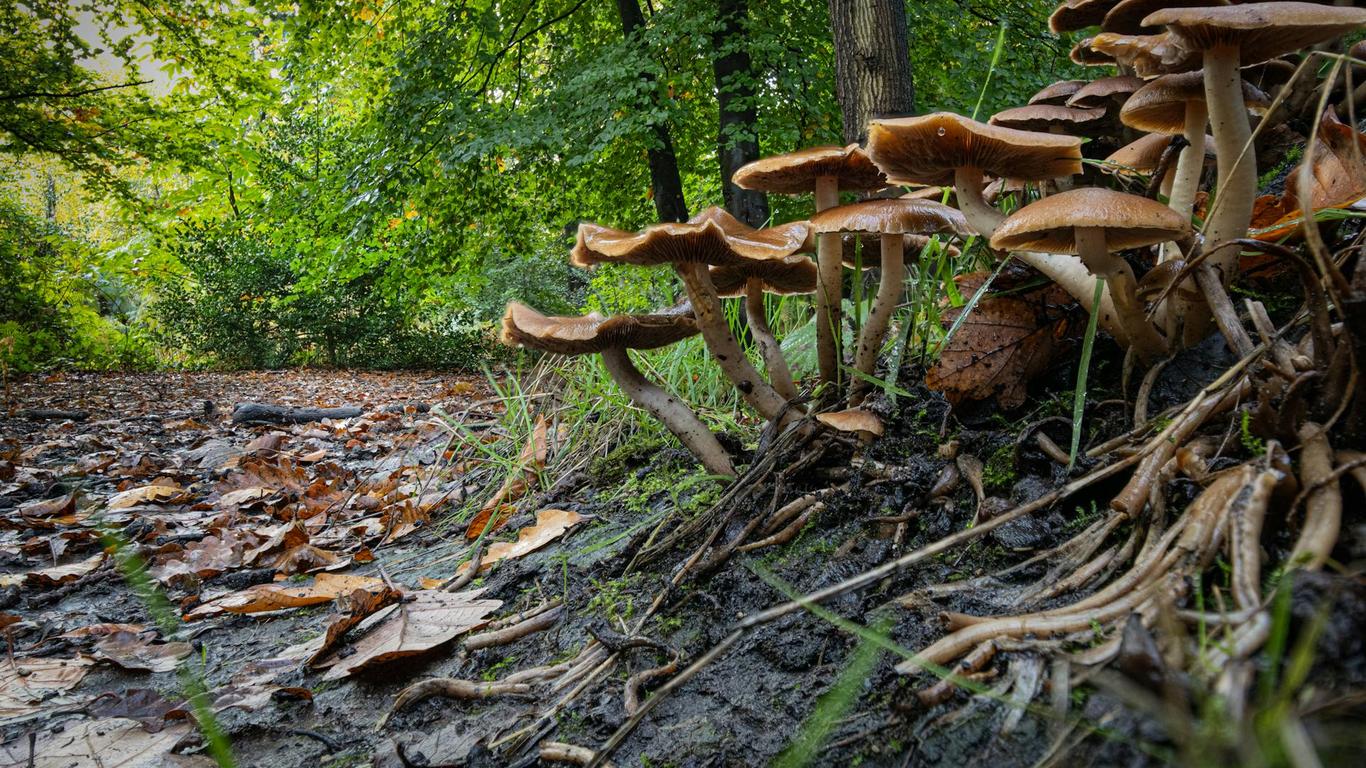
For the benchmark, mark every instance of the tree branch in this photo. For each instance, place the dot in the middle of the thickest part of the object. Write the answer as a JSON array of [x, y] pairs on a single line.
[[67, 94]]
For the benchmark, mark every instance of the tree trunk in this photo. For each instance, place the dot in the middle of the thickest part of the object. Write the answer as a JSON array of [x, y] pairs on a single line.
[[664, 178], [738, 136], [872, 62]]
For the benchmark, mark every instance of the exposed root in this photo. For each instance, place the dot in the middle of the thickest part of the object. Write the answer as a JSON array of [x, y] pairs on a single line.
[[786, 534], [451, 688], [1323, 508], [538, 622], [560, 752], [631, 695]]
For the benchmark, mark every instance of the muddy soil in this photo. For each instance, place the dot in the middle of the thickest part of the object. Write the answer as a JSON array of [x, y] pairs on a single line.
[[744, 709]]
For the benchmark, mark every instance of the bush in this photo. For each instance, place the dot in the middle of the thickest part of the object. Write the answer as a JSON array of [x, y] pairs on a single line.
[[244, 304]]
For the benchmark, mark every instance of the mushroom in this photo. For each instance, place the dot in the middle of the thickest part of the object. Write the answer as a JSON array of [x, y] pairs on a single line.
[[1146, 55], [1175, 104], [1126, 18], [1141, 156], [752, 279], [1105, 92], [1226, 38], [892, 219], [711, 238], [1094, 224], [943, 147], [1073, 15], [1050, 119], [611, 337], [1083, 54], [827, 171], [1058, 93]]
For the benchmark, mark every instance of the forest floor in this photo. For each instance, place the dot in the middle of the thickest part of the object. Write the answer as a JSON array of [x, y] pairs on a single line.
[[312, 566]]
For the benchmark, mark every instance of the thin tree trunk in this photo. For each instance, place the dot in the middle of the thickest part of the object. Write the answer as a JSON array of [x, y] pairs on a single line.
[[872, 62], [664, 178], [738, 136]]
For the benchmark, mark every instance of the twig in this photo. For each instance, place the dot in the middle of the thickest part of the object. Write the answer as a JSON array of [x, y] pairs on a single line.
[[538, 623]]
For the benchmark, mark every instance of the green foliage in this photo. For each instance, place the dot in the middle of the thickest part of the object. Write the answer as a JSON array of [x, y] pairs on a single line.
[[247, 305]]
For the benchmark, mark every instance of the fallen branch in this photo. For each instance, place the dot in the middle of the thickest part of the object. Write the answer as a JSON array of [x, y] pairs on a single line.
[[537, 623], [263, 413]]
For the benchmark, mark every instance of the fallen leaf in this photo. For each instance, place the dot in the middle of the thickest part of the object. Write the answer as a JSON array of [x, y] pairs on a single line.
[[290, 551], [141, 704], [412, 628], [147, 494], [1338, 170], [62, 505], [361, 605], [326, 587], [207, 557], [26, 685], [530, 463], [136, 651], [550, 525], [254, 687], [1005, 342], [54, 576], [109, 743], [243, 497]]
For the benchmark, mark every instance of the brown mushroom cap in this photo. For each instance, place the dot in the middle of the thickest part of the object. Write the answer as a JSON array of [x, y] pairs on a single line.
[[1160, 106], [1073, 15], [1057, 93], [1045, 117], [1259, 31], [787, 277], [1126, 18], [856, 420], [592, 333], [1140, 155], [898, 216], [1104, 92], [1129, 221], [1084, 54], [711, 237], [1149, 55], [795, 173], [928, 149]]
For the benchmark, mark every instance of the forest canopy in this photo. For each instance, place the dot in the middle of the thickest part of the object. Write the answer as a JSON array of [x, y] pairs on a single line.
[[269, 184]]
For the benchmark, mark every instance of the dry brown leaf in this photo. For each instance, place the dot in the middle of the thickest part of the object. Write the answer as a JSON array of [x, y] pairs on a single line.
[[60, 506], [54, 576], [1339, 167], [253, 688], [1006, 341], [109, 743], [531, 462], [244, 497], [141, 704], [550, 524], [412, 628], [207, 557], [136, 651], [147, 494], [361, 605], [275, 597], [25, 684], [289, 551]]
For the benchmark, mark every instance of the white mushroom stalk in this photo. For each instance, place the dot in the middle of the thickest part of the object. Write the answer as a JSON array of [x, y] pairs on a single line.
[[829, 287], [673, 413], [874, 332], [610, 337], [1119, 278], [722, 344], [1236, 188], [779, 373]]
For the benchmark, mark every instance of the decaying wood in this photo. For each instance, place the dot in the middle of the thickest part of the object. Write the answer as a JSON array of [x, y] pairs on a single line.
[[264, 413]]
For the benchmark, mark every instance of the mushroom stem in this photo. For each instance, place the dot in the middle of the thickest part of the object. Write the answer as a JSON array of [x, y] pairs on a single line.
[[779, 374], [1237, 163], [670, 411], [1063, 270], [875, 329], [829, 286], [967, 186], [1182, 200], [1119, 279], [716, 332], [1190, 163]]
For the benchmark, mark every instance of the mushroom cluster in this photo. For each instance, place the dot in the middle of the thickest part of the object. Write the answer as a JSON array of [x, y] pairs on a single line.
[[1183, 69]]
